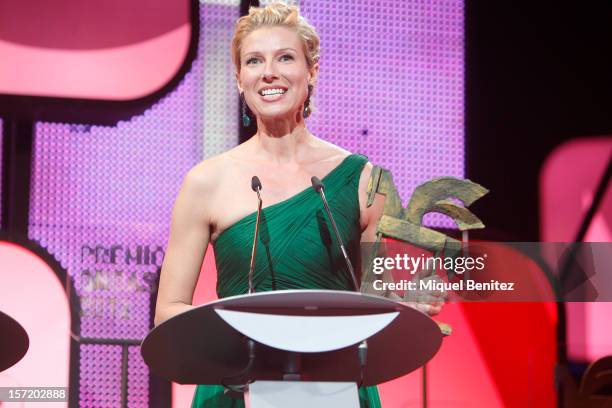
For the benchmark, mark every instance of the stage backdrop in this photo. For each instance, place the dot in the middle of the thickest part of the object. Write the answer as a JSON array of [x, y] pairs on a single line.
[[390, 87]]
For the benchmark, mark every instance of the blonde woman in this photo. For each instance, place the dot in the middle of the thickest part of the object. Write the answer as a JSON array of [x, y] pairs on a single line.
[[276, 55]]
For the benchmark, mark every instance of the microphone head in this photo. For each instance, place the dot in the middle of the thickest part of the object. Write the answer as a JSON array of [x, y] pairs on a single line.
[[317, 184], [255, 184]]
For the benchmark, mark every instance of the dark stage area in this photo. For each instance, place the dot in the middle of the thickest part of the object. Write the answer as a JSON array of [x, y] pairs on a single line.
[[537, 75]]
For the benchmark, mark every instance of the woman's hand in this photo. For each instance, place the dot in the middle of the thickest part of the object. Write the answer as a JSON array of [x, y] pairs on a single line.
[[427, 301], [429, 308]]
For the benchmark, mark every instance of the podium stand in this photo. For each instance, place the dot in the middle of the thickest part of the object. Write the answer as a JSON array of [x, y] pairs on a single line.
[[311, 337]]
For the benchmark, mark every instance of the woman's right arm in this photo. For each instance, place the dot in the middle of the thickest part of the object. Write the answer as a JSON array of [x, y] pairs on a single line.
[[189, 237]]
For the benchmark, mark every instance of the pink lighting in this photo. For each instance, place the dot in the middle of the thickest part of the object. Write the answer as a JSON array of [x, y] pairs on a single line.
[[568, 182], [120, 73], [71, 49], [32, 294], [78, 25]]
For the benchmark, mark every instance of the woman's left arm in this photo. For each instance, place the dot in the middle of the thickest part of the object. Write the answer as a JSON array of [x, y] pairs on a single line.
[[432, 302]]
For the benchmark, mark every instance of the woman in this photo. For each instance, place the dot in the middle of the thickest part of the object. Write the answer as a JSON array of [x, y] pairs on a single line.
[[276, 54]]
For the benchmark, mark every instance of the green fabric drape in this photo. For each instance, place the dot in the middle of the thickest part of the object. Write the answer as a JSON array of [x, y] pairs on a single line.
[[296, 250]]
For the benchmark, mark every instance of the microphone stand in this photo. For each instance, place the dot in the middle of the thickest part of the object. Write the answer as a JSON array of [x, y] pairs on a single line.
[[233, 391], [319, 188], [256, 186], [362, 349]]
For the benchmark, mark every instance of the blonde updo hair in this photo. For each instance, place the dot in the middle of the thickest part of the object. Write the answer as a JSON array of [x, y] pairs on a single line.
[[281, 15]]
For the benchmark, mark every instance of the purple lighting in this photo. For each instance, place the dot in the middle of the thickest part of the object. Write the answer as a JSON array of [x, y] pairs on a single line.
[[391, 85]]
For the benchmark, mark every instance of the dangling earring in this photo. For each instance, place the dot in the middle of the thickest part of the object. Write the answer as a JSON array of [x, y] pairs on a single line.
[[306, 113], [246, 119]]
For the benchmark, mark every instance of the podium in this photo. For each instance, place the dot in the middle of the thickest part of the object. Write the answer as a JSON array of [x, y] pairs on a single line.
[[302, 346]]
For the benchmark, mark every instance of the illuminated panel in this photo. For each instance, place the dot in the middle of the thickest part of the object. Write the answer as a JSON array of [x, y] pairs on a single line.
[[32, 294], [138, 379], [78, 55], [568, 183], [391, 85], [220, 100], [101, 203], [100, 365]]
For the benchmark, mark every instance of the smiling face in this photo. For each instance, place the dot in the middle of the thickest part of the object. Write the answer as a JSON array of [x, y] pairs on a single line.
[[274, 74]]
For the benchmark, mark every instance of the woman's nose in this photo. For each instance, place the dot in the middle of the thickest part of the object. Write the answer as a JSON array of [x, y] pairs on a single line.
[[269, 73]]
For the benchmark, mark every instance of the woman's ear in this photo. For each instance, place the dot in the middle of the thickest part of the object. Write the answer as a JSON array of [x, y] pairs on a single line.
[[313, 74], [238, 84]]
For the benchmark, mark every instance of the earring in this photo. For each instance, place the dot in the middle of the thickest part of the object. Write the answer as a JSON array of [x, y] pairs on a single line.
[[246, 119], [307, 111]]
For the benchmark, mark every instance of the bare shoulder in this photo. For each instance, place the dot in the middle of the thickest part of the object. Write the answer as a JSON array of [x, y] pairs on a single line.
[[336, 154], [207, 174], [327, 151], [200, 188]]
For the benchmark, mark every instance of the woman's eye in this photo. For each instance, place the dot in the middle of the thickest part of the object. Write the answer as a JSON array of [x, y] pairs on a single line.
[[251, 61], [286, 57]]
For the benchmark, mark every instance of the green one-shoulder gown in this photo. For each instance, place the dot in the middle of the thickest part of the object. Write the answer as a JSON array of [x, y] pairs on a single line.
[[297, 249]]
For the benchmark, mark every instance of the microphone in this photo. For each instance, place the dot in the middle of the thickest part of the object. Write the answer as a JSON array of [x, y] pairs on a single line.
[[256, 186], [318, 186], [362, 349]]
